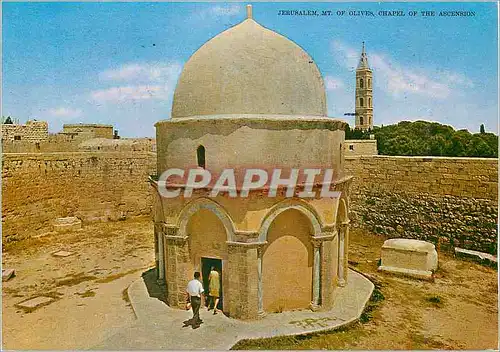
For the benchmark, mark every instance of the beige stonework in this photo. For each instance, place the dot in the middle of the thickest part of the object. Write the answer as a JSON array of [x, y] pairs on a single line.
[[354, 147], [277, 253], [97, 130], [409, 257], [32, 131]]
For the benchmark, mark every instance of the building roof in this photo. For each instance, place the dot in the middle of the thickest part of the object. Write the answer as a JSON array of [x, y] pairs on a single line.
[[249, 69], [363, 60]]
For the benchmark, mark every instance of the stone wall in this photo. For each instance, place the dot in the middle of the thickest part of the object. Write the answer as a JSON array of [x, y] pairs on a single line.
[[37, 188], [450, 201], [33, 131], [354, 147]]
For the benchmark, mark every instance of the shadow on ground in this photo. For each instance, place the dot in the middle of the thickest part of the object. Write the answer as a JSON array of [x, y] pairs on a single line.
[[154, 289]]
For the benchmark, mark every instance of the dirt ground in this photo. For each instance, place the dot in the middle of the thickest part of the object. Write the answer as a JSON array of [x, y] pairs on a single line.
[[457, 311], [89, 286]]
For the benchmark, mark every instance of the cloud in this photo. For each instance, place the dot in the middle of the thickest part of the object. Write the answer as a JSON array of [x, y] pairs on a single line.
[[147, 72], [143, 81], [65, 113], [400, 80], [332, 83], [218, 12], [131, 92]]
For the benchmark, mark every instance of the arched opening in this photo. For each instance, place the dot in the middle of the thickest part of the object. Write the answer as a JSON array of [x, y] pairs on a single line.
[[361, 102], [361, 83], [370, 102], [361, 120], [287, 263], [207, 238], [200, 156], [369, 83]]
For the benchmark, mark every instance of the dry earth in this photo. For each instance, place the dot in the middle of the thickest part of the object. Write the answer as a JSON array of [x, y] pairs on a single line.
[[457, 311], [89, 285]]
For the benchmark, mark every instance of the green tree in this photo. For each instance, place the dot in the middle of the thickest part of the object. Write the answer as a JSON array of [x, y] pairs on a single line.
[[481, 129]]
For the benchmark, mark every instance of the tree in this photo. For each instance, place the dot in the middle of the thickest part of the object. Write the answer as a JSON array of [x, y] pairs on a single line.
[[8, 121], [481, 129]]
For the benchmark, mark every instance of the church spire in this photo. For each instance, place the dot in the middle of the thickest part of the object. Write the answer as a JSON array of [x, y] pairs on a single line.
[[363, 61], [364, 94]]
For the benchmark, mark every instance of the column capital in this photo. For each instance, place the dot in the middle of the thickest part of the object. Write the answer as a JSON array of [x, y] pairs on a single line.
[[170, 230], [247, 244], [324, 236], [176, 239]]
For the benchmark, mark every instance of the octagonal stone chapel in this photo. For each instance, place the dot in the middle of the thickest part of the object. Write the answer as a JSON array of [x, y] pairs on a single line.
[[251, 98]]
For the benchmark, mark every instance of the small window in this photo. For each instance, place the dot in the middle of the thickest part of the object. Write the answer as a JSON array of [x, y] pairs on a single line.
[[200, 153], [17, 138], [361, 120], [361, 102], [370, 102], [369, 83], [351, 147], [361, 83]]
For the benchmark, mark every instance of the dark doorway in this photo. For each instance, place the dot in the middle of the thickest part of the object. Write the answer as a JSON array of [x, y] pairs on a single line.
[[200, 153], [206, 265]]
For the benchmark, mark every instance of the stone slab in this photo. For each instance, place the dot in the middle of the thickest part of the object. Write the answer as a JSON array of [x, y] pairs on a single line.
[[419, 274], [409, 257], [67, 223], [479, 256], [36, 302], [7, 274], [62, 254]]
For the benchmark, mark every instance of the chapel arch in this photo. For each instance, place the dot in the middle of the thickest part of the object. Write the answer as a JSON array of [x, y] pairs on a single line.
[[287, 262]]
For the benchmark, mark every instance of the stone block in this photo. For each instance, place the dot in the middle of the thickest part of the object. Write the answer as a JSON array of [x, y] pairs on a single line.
[[36, 302], [67, 224], [409, 257], [477, 256], [62, 254], [7, 274]]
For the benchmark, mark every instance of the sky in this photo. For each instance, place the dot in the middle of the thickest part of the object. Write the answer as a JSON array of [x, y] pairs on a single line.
[[118, 63]]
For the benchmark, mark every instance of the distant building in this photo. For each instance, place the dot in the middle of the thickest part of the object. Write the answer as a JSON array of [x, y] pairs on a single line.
[[360, 147], [364, 94], [34, 131]]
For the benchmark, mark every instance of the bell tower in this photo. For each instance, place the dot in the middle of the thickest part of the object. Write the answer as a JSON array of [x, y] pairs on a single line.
[[364, 94]]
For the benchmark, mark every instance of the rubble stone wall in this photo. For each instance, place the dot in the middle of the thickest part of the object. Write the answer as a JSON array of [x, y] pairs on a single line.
[[447, 201]]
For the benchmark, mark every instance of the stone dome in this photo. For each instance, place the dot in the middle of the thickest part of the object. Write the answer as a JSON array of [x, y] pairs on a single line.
[[249, 69]]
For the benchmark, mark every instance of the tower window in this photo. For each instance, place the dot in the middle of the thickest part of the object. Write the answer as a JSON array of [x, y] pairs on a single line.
[[361, 102], [200, 153], [351, 147], [370, 102], [369, 83], [361, 83], [361, 120]]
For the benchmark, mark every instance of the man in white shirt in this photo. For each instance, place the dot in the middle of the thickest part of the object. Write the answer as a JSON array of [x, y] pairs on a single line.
[[194, 291]]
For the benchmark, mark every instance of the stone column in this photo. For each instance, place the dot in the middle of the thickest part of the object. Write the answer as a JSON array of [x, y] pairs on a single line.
[[260, 292], [342, 257], [346, 250], [158, 226], [316, 274], [161, 259]]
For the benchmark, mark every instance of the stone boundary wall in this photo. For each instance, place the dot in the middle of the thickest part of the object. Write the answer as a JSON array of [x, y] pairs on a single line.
[[40, 187], [447, 201]]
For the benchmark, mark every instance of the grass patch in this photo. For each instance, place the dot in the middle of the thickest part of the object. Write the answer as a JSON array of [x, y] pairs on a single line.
[[337, 339], [436, 301], [373, 303]]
